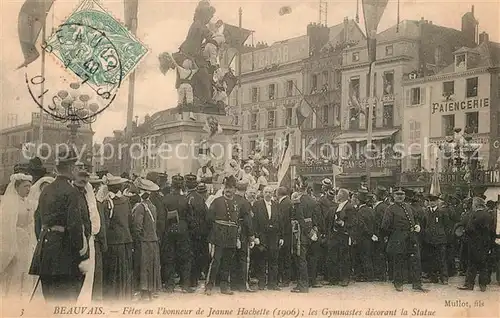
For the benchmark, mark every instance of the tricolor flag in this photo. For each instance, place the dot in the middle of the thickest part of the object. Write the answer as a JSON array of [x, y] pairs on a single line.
[[303, 111], [29, 24], [285, 163], [356, 108], [372, 12]]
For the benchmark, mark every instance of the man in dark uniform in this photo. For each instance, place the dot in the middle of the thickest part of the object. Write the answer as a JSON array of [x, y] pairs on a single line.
[[366, 230], [241, 263], [480, 232], [62, 245], [436, 228], [157, 199], [199, 234], [403, 243], [305, 214], [176, 245], [285, 208], [222, 219], [379, 255]]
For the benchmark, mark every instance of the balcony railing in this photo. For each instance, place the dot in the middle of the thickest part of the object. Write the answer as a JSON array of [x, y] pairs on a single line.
[[489, 177]]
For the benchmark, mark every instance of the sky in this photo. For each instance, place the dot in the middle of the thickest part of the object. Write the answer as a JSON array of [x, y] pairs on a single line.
[[163, 25]]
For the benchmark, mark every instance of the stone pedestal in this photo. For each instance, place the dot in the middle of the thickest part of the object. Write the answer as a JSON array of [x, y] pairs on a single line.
[[180, 135]]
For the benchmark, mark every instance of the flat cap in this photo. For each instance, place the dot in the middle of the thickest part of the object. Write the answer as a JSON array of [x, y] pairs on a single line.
[[201, 188]]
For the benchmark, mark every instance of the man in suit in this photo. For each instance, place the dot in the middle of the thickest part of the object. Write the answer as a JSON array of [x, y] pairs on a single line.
[[379, 255], [305, 214], [366, 230], [399, 222], [436, 228], [268, 239], [199, 234], [338, 224], [285, 207], [63, 242], [326, 203], [157, 199], [241, 264]]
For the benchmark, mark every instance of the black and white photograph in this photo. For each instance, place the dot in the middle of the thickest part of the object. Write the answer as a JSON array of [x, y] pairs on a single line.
[[210, 158]]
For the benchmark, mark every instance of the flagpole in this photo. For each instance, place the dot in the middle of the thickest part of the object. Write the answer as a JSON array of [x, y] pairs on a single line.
[[42, 72], [131, 88], [240, 95], [370, 125]]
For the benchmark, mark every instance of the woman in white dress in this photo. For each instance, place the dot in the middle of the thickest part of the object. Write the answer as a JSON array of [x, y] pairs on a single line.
[[17, 238]]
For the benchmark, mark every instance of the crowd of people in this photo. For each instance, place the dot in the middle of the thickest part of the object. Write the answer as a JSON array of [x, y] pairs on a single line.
[[110, 238]]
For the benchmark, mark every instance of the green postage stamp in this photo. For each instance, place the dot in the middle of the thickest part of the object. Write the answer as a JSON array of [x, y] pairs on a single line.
[[96, 47]]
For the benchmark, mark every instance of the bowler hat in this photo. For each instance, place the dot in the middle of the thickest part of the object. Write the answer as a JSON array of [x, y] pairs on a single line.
[[432, 197], [66, 157], [326, 182]]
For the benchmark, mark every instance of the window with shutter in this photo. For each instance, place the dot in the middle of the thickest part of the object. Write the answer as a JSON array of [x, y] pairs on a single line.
[[417, 132], [411, 135], [407, 97]]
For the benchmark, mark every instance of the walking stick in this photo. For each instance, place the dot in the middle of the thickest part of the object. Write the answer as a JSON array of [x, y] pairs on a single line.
[[34, 289]]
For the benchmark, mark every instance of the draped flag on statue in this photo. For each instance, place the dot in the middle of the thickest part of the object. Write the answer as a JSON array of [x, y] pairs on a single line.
[[285, 162], [29, 24], [373, 11]]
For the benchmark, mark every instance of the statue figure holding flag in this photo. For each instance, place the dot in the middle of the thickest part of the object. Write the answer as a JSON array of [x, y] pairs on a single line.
[[209, 46]]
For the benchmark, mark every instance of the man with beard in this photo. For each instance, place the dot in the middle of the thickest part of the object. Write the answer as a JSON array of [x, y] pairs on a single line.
[[63, 241], [222, 220], [285, 208], [241, 263], [176, 245], [305, 214], [268, 240], [437, 227], [339, 222], [379, 256], [399, 221], [326, 203], [199, 232], [479, 229]]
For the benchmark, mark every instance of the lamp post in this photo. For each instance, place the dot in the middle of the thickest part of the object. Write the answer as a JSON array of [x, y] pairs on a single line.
[[74, 108]]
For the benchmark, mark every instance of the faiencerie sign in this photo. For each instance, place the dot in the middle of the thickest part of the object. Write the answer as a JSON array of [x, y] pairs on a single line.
[[455, 106]]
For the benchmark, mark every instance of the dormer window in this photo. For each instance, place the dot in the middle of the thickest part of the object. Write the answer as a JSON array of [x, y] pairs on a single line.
[[460, 60], [389, 50]]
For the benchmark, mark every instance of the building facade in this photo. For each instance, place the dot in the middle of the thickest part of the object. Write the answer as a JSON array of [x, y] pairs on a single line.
[[271, 82], [14, 139], [412, 47], [322, 90], [464, 95]]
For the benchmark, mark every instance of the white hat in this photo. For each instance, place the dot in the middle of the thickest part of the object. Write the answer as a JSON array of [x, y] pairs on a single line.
[[146, 185], [110, 179], [94, 179], [247, 165]]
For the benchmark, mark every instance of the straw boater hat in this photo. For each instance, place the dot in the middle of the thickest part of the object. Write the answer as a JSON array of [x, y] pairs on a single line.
[[94, 179], [146, 185], [326, 182], [110, 179]]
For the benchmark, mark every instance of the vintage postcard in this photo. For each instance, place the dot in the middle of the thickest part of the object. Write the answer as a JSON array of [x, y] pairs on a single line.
[[263, 158]]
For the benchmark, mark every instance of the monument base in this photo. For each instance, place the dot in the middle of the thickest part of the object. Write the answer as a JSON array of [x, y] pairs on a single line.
[[180, 135]]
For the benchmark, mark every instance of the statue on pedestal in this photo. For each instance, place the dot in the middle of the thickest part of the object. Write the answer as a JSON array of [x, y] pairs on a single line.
[[199, 66]]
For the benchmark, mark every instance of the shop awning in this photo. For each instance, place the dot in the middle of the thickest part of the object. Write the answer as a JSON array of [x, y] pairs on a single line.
[[362, 136]]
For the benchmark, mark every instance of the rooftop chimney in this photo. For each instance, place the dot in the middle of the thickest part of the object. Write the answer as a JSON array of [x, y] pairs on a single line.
[[469, 27], [484, 37]]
